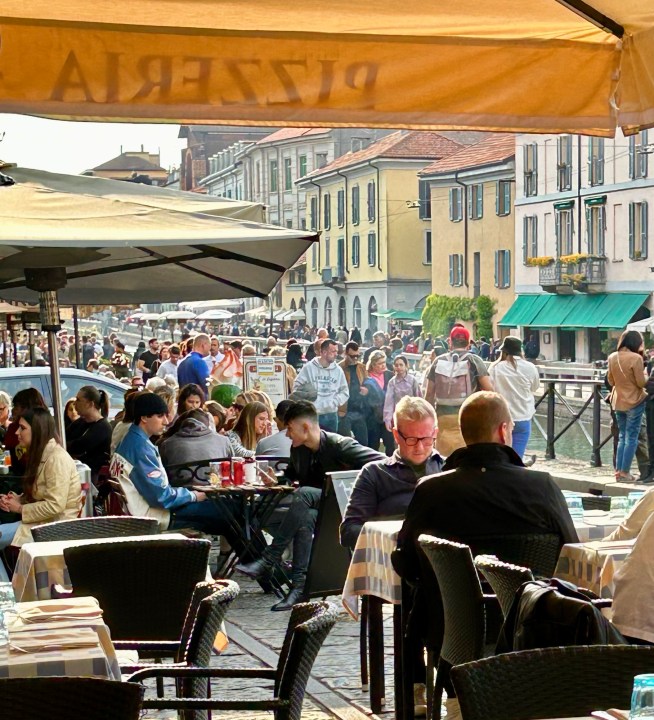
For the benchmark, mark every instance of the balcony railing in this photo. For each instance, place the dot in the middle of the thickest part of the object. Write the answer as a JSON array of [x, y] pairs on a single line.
[[586, 273]]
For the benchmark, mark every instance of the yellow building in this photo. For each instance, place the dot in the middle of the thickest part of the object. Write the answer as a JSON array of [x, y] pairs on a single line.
[[374, 253], [472, 222]]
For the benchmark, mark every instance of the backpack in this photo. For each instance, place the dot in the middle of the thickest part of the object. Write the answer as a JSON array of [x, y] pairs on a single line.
[[554, 613], [452, 378]]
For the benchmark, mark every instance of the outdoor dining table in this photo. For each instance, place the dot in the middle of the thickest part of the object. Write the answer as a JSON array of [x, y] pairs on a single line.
[[247, 509], [41, 565], [372, 577], [596, 524], [83, 646], [593, 565]]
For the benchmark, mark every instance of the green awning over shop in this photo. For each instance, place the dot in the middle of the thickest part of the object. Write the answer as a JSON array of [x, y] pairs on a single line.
[[606, 311]]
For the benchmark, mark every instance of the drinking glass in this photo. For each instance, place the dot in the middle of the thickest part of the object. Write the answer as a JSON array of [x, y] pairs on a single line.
[[642, 698], [575, 506], [633, 498], [7, 596], [619, 505]]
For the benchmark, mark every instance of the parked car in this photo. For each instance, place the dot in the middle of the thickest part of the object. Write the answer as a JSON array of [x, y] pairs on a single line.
[[14, 379]]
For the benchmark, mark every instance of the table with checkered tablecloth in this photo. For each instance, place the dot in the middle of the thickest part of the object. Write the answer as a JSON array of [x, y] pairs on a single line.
[[593, 564], [97, 660], [596, 524]]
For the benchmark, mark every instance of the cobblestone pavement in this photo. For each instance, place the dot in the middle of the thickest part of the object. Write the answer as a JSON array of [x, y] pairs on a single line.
[[337, 665]]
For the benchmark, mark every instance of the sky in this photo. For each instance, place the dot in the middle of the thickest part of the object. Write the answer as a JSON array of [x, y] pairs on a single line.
[[72, 147]]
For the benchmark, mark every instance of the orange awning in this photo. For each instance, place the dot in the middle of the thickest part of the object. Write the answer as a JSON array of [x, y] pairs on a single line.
[[516, 65]]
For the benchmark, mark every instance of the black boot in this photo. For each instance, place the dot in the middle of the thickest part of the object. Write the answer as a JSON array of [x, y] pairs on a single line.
[[258, 569], [295, 596]]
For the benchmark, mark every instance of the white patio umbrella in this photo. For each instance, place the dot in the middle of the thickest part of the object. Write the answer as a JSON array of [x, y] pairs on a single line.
[[81, 248], [215, 315], [176, 315]]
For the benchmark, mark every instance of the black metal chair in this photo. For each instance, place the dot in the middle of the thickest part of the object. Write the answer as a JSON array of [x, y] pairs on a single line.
[[463, 610], [69, 698], [143, 587], [95, 527], [308, 627], [553, 682], [504, 579]]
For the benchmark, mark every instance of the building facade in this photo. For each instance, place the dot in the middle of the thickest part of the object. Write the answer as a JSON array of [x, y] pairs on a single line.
[[582, 223], [374, 254], [470, 198]]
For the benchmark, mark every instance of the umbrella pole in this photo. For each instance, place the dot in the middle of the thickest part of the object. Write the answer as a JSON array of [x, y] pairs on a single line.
[[271, 316], [46, 283], [76, 332]]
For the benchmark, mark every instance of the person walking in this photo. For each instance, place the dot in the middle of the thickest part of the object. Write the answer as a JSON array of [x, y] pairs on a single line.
[[376, 384], [516, 380], [400, 385], [626, 376]]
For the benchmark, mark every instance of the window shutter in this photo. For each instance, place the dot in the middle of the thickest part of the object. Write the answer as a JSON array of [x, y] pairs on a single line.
[[602, 231], [643, 156], [480, 201], [470, 194], [452, 204], [497, 268], [632, 226], [498, 193], [589, 230], [525, 239], [507, 269], [507, 197], [534, 237], [632, 157], [458, 196], [451, 269], [644, 230]]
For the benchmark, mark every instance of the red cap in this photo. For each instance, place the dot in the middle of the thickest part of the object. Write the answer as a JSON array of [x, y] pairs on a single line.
[[460, 333]]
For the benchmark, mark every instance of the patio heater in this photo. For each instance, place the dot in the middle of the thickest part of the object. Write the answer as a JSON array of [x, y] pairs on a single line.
[[14, 324], [47, 281], [31, 323], [3, 338]]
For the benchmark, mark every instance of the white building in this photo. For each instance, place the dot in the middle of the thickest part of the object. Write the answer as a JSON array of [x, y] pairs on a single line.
[[582, 268]]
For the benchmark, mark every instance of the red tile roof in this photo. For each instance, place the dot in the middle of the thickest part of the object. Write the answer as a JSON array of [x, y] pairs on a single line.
[[408, 145], [494, 149], [292, 133]]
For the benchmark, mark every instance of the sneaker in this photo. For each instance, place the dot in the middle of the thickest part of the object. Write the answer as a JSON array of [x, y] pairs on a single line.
[[419, 700]]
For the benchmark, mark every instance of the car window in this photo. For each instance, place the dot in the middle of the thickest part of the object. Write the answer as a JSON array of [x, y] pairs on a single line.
[[12, 385], [71, 385]]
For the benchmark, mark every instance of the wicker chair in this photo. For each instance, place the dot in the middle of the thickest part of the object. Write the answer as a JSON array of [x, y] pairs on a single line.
[[463, 608], [144, 588], [95, 527], [308, 627], [504, 579], [207, 610], [554, 682], [538, 552], [65, 698]]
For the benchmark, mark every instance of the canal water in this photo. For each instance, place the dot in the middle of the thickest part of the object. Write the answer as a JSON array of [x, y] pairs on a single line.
[[572, 444]]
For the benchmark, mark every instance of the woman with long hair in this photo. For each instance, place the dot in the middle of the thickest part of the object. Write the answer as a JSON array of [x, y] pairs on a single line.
[[516, 379], [627, 378], [191, 397], [88, 439], [253, 424], [23, 400], [70, 413], [51, 485], [124, 419], [376, 385], [399, 386]]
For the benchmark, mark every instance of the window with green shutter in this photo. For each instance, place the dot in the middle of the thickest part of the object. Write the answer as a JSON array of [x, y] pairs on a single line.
[[596, 161], [424, 200], [274, 180], [340, 207], [356, 205], [638, 230], [327, 211], [302, 166], [372, 201], [502, 268], [529, 237], [456, 204], [356, 243], [503, 197], [476, 201], [638, 156], [372, 249], [288, 175]]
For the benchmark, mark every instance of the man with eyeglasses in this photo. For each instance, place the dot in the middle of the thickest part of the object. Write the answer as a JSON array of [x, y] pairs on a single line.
[[5, 407], [352, 414], [384, 488]]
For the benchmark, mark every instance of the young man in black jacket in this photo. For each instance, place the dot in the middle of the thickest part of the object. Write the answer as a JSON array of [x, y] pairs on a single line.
[[314, 453]]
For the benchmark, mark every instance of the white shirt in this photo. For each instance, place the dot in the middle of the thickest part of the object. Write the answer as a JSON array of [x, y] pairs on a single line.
[[167, 367], [213, 360], [517, 386]]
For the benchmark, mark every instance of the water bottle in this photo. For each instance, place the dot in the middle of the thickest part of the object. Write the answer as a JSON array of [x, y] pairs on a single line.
[[575, 506]]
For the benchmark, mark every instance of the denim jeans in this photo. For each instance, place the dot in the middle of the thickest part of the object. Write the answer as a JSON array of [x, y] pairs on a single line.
[[329, 422], [297, 527], [521, 434], [629, 423], [354, 423]]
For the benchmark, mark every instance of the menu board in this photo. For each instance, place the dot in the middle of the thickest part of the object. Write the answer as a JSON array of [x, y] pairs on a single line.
[[267, 374]]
